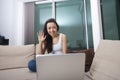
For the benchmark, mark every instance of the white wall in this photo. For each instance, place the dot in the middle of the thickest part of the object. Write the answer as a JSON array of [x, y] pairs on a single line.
[[12, 22], [6, 18], [96, 22], [9, 28]]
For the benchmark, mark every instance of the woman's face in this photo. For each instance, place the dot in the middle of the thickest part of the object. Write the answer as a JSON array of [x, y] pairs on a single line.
[[52, 29]]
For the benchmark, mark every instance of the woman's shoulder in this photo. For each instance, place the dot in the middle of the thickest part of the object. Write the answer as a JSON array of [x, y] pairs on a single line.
[[63, 35]]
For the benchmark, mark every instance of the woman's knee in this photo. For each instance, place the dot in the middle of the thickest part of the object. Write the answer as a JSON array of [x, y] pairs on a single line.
[[32, 65]]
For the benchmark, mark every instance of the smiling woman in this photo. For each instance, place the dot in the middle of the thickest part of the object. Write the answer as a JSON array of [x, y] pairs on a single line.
[[50, 41]]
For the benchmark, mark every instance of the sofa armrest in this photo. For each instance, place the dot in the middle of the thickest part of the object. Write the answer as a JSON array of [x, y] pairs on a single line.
[[15, 56]]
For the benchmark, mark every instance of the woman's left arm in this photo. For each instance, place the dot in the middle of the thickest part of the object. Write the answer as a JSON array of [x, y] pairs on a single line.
[[64, 44]]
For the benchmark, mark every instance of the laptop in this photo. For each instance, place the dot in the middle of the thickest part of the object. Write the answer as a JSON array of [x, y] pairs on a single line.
[[61, 67]]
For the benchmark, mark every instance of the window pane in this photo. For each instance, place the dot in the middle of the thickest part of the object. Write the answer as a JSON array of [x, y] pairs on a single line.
[[70, 17], [42, 13], [111, 19]]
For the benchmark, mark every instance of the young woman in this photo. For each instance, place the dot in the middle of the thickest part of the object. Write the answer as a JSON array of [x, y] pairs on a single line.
[[50, 41]]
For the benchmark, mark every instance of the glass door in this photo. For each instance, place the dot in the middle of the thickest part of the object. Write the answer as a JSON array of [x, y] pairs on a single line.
[[42, 13], [111, 19], [70, 15]]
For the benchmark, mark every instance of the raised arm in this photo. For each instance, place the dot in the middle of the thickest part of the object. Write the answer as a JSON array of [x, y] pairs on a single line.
[[41, 45]]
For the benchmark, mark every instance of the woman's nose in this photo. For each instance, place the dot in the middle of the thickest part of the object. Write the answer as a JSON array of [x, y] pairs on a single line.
[[52, 30]]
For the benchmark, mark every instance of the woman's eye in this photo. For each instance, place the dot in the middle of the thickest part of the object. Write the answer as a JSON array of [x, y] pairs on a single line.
[[54, 27], [49, 28]]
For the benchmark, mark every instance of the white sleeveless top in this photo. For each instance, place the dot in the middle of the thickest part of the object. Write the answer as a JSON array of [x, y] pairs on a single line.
[[57, 48]]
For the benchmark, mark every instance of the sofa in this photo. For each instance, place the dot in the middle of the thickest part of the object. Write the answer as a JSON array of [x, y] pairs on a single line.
[[14, 62], [105, 65], [106, 62]]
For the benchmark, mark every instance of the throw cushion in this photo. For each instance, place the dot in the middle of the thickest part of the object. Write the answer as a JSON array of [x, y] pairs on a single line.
[[16, 56]]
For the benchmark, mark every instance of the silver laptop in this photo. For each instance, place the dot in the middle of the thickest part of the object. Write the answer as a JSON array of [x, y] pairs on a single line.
[[61, 67]]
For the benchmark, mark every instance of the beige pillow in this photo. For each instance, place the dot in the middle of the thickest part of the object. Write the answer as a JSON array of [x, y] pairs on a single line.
[[106, 63], [16, 56]]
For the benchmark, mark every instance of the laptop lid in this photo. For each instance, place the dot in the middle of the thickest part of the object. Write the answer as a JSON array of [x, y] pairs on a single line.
[[61, 67]]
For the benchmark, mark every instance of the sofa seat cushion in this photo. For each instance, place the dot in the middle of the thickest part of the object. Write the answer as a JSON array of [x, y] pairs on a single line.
[[17, 74], [106, 62], [16, 56]]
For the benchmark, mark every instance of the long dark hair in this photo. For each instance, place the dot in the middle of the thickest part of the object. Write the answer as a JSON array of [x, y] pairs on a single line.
[[49, 40]]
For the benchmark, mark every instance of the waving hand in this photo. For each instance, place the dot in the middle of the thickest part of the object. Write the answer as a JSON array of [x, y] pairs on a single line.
[[41, 36]]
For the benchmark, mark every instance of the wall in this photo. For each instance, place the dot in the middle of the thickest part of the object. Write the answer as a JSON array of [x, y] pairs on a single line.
[[6, 18], [12, 22], [9, 21], [96, 23]]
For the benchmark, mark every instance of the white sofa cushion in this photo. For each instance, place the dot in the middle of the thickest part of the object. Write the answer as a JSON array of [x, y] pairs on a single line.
[[106, 63], [15, 56], [17, 74]]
